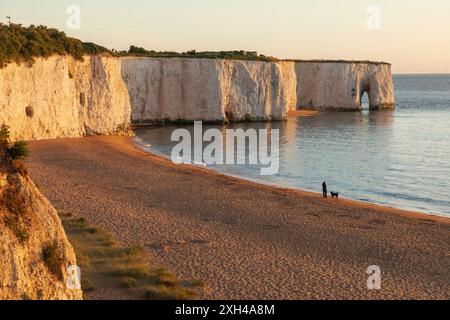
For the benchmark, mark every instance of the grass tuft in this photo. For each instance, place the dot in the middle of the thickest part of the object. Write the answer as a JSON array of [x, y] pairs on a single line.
[[19, 150], [128, 282], [165, 293], [12, 221], [53, 258]]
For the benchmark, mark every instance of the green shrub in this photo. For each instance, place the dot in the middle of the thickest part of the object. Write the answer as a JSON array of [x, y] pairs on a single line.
[[11, 154], [92, 48], [23, 44], [230, 55], [19, 150]]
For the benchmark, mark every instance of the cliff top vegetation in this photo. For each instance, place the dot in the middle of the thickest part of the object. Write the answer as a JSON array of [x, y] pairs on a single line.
[[24, 44], [338, 61], [230, 55]]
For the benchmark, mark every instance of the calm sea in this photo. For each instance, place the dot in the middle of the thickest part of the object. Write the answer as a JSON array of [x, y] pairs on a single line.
[[398, 158]]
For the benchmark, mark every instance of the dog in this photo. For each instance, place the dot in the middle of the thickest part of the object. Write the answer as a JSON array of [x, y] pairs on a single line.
[[335, 195]]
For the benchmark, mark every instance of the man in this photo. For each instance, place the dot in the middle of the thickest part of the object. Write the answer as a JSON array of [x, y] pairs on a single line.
[[324, 188]]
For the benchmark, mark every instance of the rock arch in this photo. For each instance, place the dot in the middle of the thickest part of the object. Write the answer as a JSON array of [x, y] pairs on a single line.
[[340, 85], [364, 88], [367, 93]]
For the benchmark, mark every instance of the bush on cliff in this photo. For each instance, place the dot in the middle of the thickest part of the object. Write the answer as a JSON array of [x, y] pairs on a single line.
[[11, 152], [23, 44], [19, 150], [54, 259]]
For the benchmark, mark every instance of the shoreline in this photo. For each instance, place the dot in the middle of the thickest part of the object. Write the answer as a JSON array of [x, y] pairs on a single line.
[[302, 192], [243, 239]]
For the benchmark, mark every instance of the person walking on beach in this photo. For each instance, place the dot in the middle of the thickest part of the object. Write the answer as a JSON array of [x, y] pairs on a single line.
[[324, 189]]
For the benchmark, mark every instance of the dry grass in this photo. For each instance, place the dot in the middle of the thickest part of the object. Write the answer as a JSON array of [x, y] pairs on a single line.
[[106, 265], [13, 222], [54, 259], [17, 208], [19, 167]]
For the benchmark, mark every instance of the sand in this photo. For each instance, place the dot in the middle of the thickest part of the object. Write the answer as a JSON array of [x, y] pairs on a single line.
[[244, 240], [303, 113]]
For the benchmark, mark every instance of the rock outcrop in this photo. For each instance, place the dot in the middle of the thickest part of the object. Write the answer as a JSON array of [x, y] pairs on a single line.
[[63, 97], [34, 250], [174, 89], [340, 85]]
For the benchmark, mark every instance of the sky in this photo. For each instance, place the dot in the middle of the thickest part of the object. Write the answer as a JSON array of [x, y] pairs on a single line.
[[413, 35]]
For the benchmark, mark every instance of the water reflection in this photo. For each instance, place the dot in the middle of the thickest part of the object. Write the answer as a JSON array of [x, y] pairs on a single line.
[[398, 158]]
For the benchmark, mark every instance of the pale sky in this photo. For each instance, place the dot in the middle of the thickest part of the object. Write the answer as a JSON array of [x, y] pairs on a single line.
[[414, 34]]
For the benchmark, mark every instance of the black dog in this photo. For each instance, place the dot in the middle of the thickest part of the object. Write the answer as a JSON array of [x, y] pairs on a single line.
[[335, 195]]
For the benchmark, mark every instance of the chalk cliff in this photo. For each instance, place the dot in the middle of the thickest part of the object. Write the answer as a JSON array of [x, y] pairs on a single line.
[[341, 85], [62, 97], [220, 90], [34, 250], [257, 90], [173, 89]]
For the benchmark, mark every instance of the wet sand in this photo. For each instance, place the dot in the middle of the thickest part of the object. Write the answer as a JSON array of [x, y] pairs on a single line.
[[244, 240]]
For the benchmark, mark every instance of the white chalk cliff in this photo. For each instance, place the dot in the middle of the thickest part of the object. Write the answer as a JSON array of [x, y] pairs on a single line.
[[220, 90], [62, 97], [174, 89], [341, 85]]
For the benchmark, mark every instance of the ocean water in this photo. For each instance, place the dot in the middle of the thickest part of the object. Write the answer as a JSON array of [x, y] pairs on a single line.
[[399, 158]]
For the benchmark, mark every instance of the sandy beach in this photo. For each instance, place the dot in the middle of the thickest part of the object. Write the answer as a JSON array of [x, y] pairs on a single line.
[[303, 113], [244, 240]]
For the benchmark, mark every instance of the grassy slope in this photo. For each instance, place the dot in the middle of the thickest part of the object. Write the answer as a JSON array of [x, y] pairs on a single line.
[[123, 272]]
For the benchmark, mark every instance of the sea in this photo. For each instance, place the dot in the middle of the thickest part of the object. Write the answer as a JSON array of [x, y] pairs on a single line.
[[398, 158]]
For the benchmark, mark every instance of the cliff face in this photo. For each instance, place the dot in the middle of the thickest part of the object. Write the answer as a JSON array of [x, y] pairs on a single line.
[[34, 250], [257, 90], [210, 90], [172, 89], [220, 90], [341, 85], [61, 97]]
